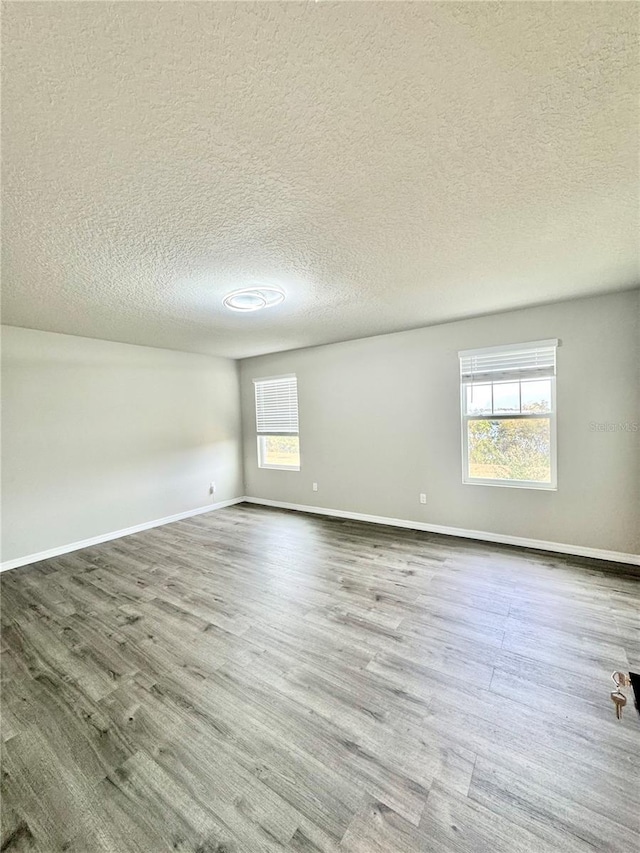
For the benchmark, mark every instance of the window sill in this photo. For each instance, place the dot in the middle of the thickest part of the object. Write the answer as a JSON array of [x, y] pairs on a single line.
[[513, 484], [278, 467]]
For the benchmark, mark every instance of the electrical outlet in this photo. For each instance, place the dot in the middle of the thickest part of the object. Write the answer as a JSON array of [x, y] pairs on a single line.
[[315, 487], [423, 499]]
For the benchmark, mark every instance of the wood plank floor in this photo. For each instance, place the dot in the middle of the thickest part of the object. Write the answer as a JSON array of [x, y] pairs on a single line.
[[256, 680]]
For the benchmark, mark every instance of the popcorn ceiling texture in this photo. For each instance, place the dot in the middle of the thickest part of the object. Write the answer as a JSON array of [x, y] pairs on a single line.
[[390, 165]]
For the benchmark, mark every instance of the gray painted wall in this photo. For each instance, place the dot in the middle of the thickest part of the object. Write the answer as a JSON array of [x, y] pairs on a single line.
[[380, 423], [100, 436]]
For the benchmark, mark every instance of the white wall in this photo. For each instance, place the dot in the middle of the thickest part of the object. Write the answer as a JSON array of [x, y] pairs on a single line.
[[100, 436], [380, 423]]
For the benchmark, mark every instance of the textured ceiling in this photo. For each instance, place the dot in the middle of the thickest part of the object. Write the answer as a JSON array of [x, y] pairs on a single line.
[[389, 165]]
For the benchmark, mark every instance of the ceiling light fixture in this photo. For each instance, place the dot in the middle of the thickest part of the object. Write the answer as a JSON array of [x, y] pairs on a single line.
[[253, 298]]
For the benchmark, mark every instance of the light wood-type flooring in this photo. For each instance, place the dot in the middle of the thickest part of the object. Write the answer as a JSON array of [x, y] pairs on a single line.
[[257, 680]]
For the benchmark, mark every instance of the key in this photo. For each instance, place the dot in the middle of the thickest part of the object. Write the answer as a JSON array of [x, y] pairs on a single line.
[[619, 700], [621, 679]]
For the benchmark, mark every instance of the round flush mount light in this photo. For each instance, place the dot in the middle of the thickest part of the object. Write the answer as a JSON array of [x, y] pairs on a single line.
[[253, 298]]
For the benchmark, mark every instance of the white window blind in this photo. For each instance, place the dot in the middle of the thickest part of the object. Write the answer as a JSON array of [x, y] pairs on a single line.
[[532, 360], [277, 405]]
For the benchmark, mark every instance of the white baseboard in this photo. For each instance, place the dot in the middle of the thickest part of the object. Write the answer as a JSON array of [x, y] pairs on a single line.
[[482, 535], [115, 534]]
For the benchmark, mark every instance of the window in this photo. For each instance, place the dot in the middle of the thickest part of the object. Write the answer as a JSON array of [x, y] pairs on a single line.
[[508, 401], [277, 423]]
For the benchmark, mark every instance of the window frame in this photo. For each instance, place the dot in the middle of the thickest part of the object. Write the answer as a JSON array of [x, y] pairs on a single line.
[[551, 416], [262, 436], [266, 465]]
